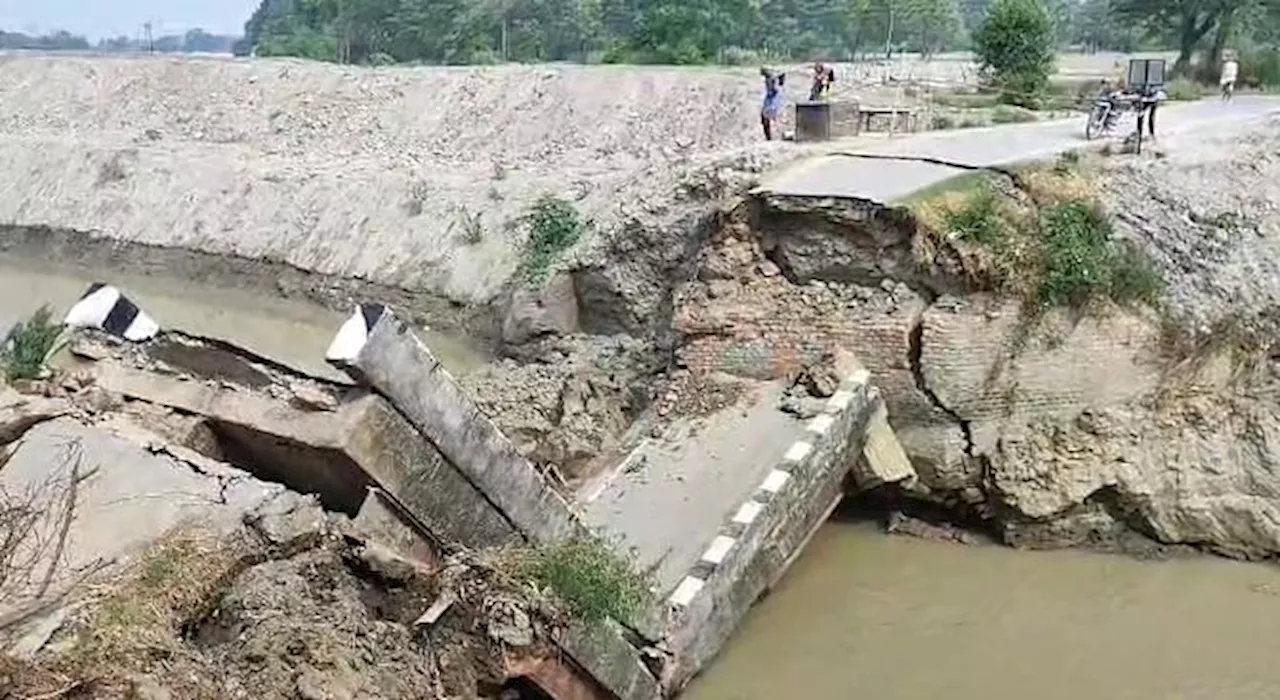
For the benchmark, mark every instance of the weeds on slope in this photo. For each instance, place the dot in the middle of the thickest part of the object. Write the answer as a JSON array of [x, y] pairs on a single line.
[[27, 347], [554, 226], [1048, 243], [586, 575]]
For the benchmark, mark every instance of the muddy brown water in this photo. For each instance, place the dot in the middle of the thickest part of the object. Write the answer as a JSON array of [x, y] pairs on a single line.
[[291, 331], [868, 615]]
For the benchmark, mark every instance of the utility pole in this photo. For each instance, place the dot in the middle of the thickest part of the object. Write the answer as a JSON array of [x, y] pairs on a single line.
[[146, 31]]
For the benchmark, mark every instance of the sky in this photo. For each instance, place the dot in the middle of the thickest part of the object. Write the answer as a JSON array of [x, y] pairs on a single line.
[[105, 18]]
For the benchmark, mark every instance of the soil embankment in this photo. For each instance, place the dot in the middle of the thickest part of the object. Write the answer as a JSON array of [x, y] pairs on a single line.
[[1131, 426]]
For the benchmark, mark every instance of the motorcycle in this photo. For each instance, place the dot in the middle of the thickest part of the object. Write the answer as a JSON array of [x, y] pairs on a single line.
[[1101, 119]]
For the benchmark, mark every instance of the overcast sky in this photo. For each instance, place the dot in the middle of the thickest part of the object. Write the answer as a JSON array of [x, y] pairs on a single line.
[[101, 18]]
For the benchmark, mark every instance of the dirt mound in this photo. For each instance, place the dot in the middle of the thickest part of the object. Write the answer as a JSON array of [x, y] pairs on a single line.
[[416, 177], [1209, 213]]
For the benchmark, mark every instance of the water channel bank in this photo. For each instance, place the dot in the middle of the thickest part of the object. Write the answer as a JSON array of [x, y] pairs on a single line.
[[868, 615]]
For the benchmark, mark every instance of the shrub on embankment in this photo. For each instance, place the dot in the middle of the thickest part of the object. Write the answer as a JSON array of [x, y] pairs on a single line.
[[25, 350], [1046, 241]]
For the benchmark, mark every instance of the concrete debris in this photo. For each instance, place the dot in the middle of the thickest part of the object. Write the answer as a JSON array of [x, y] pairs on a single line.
[[883, 459], [508, 622], [439, 607], [19, 413]]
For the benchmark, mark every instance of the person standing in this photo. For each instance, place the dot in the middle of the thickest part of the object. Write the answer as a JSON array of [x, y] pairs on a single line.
[[1148, 100], [772, 107], [1230, 73], [823, 77]]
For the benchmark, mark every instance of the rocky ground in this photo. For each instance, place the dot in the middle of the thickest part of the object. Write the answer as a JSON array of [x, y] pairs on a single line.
[[131, 570]]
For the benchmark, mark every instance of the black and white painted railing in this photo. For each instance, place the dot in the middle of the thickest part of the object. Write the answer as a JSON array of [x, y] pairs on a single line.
[[107, 309], [799, 456]]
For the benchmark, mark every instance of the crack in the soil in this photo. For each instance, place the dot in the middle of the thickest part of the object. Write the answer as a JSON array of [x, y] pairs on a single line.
[[914, 354]]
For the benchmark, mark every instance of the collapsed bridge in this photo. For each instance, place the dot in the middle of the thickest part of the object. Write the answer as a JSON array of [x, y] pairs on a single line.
[[714, 522]]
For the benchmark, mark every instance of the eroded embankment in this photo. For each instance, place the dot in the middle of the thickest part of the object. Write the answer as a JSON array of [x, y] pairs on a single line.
[[1058, 416]]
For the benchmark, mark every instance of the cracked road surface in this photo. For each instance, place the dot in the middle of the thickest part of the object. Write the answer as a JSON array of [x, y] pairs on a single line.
[[886, 181]]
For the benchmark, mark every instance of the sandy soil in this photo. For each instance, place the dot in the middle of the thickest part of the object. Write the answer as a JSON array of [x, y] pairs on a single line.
[[375, 173]]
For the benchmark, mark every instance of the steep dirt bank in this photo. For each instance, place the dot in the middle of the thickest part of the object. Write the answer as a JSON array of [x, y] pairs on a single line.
[[132, 566], [1080, 427], [414, 178]]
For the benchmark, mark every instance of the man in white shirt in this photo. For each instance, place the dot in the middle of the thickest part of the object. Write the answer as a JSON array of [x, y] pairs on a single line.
[[1230, 73]]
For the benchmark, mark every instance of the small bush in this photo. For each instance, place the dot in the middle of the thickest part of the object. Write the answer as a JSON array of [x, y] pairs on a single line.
[[1260, 68], [979, 220], [554, 226], [585, 573], [1184, 90], [1007, 114], [942, 122], [472, 226], [26, 349], [1082, 260]]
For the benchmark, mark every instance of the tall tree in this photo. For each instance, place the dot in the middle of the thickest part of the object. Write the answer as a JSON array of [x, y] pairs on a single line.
[[1188, 22], [1015, 47]]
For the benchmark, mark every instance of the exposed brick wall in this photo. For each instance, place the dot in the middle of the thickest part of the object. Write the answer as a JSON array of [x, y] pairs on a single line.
[[744, 318]]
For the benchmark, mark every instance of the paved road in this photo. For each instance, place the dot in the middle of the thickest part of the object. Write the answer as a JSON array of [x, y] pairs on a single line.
[[671, 504], [885, 181]]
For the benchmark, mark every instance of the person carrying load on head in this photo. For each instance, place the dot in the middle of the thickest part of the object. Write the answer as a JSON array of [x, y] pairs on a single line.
[[772, 107], [823, 77]]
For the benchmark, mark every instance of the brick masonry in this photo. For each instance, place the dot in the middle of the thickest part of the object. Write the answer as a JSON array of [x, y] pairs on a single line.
[[742, 317]]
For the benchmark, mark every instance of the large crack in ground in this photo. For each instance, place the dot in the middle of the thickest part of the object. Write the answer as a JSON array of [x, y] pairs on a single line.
[[915, 352]]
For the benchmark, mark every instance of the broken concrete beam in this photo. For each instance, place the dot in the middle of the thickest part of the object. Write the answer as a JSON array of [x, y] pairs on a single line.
[[336, 454], [18, 413], [883, 459], [603, 651], [122, 496], [378, 349], [761, 540]]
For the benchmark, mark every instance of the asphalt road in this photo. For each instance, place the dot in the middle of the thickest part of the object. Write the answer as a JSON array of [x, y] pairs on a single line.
[[886, 181]]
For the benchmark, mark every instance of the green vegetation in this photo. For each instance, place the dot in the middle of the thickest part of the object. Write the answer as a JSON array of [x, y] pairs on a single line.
[[1015, 47], [1260, 68], [964, 183], [1185, 90], [588, 577], [1082, 260], [27, 348], [554, 226], [1008, 114], [1051, 245]]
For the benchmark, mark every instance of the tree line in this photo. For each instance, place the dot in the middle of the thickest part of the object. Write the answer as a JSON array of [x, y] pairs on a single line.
[[194, 41], [632, 31]]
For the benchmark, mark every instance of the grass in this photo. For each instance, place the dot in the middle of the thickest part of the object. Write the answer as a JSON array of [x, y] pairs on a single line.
[[588, 577], [142, 617], [967, 100], [27, 348], [1184, 90], [1007, 114], [554, 226], [963, 183], [1051, 245]]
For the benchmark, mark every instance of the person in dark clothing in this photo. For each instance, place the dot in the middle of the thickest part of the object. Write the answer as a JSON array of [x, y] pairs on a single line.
[[823, 77], [772, 107], [1148, 101]]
